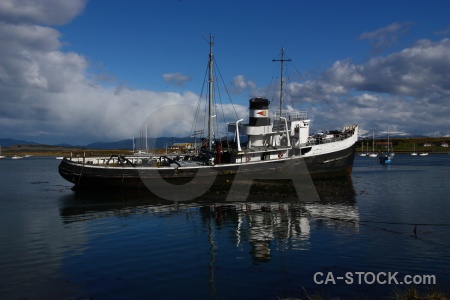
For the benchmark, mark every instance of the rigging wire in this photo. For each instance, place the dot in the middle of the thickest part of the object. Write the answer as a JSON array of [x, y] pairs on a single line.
[[221, 105], [205, 114], [229, 98], [307, 83], [289, 90], [194, 123], [272, 84], [273, 81], [276, 89], [216, 91]]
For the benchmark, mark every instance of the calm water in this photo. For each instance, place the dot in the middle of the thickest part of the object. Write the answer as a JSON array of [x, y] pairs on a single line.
[[56, 244]]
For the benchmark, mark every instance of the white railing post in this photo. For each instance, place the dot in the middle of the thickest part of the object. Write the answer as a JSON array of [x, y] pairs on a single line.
[[286, 130], [237, 134]]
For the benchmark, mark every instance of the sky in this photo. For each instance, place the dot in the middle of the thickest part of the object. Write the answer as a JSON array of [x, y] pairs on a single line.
[[82, 71]]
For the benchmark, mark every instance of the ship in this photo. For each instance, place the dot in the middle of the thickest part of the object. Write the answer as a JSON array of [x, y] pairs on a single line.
[[267, 146]]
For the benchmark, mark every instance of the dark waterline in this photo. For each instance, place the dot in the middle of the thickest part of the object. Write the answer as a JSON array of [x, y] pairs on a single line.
[[56, 244]]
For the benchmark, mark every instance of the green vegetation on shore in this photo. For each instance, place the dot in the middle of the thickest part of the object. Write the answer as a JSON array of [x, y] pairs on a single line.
[[406, 145], [48, 150], [412, 293]]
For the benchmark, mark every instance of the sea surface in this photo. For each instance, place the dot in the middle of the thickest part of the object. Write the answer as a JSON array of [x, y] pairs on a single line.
[[386, 220]]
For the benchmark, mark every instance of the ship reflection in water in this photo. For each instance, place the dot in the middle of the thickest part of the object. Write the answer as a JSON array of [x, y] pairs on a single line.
[[255, 224]]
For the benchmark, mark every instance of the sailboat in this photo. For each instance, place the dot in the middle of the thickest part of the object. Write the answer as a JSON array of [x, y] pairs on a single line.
[[373, 154], [362, 150], [414, 153], [1, 156], [273, 143]]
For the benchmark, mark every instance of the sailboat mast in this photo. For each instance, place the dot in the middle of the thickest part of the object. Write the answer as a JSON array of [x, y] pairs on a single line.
[[389, 147], [210, 94], [146, 139], [282, 60]]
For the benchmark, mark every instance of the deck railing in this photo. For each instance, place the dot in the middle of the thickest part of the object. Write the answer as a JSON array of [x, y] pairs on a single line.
[[294, 115]]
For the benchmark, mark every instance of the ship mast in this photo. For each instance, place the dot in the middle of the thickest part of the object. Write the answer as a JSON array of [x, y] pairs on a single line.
[[210, 94], [282, 60]]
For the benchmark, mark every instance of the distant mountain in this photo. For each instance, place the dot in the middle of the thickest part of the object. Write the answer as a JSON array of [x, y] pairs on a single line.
[[119, 145], [139, 143], [64, 145], [12, 142], [153, 143], [368, 136]]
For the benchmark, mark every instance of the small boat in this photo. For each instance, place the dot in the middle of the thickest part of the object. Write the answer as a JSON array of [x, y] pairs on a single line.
[[423, 154], [414, 153], [390, 148], [385, 159], [17, 157], [272, 145], [59, 157], [1, 156]]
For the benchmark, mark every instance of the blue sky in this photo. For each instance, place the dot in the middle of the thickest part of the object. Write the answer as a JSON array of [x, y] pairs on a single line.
[[81, 71]]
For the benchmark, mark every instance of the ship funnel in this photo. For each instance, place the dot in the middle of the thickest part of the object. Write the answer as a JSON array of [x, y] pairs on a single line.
[[259, 112]]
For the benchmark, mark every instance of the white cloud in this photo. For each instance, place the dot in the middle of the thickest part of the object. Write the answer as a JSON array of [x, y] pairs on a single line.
[[48, 94], [383, 38], [176, 78], [445, 31], [34, 74], [241, 84], [409, 90], [50, 12]]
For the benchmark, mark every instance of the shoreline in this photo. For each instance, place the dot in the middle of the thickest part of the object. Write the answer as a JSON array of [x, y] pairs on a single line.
[[400, 146], [51, 152], [96, 152]]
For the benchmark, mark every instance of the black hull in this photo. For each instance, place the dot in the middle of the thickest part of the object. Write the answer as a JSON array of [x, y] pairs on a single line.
[[331, 165]]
